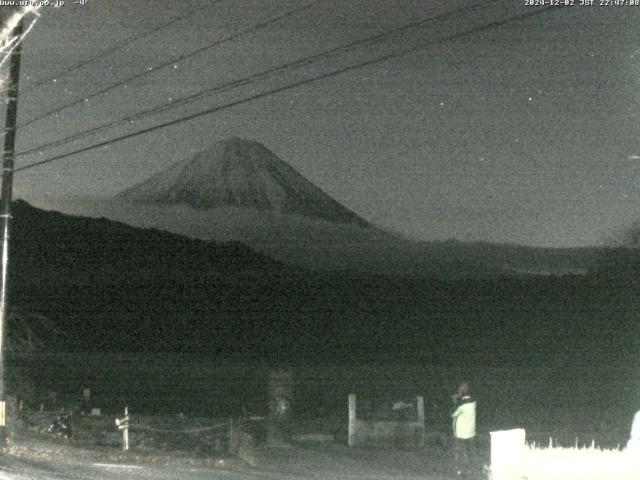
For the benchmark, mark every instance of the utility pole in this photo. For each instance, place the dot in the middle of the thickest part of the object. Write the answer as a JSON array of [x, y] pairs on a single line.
[[5, 209]]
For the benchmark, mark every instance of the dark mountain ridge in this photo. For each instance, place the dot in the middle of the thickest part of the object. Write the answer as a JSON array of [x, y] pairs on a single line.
[[106, 241]]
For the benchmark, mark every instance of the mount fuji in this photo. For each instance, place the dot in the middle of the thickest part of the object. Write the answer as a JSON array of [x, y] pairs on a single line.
[[242, 174]]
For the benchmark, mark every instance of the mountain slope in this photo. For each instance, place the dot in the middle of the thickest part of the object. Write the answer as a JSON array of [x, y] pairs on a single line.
[[239, 173]]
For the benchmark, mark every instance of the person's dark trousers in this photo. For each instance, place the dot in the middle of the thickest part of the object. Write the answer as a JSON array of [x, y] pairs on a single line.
[[464, 455]]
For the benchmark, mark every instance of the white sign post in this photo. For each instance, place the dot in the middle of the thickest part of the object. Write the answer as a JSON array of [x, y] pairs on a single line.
[[507, 454]]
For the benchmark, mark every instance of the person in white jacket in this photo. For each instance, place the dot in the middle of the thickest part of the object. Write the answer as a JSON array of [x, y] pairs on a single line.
[[463, 413]]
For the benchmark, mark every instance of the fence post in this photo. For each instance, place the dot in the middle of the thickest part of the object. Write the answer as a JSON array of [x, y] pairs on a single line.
[[231, 443], [352, 420], [125, 432], [420, 406], [123, 424]]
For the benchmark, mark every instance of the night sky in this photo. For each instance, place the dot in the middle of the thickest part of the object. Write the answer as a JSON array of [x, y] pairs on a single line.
[[525, 132]]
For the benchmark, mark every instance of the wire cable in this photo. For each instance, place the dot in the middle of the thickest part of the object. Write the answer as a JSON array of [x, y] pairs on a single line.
[[111, 50], [172, 61], [253, 78], [488, 26]]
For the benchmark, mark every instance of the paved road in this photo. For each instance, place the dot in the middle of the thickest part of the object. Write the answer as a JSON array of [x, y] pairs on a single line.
[[12, 468], [22, 469], [47, 462]]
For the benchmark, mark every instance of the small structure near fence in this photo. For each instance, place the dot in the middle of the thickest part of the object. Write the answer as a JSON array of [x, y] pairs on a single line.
[[402, 432], [280, 390]]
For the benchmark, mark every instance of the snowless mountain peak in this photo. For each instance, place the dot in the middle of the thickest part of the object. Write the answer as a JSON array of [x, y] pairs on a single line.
[[239, 173]]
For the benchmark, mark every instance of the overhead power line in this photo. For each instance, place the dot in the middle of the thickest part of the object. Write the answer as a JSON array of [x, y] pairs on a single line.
[[171, 62], [406, 51], [255, 77], [113, 49]]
